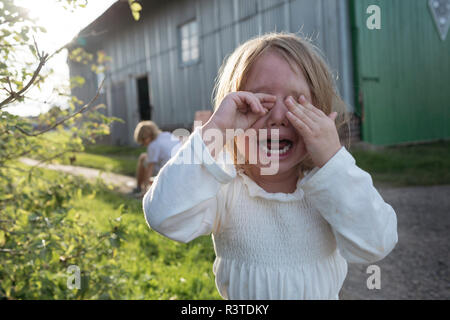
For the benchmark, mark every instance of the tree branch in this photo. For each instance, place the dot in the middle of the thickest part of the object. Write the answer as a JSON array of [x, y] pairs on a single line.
[[15, 95], [86, 106]]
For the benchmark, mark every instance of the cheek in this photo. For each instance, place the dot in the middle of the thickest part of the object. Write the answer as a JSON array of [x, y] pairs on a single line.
[[246, 145], [301, 147], [300, 151], [300, 141]]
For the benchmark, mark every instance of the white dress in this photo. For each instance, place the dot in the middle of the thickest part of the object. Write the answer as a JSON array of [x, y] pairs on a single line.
[[273, 245]]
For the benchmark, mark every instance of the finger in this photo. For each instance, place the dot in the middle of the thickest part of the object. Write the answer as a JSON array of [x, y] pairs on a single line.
[[268, 105], [250, 103], [264, 97], [333, 116], [298, 124], [267, 100], [310, 110], [261, 109], [309, 106], [300, 112]]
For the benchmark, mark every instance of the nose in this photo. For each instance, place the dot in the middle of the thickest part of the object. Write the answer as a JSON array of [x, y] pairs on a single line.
[[277, 115]]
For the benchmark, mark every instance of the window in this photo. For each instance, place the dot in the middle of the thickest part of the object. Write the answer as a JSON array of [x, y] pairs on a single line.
[[189, 46]]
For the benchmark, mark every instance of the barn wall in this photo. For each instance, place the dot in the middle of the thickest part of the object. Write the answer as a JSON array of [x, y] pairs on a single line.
[[150, 46], [403, 74]]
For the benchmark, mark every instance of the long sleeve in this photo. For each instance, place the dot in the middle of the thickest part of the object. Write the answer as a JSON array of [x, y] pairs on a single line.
[[186, 198], [365, 227]]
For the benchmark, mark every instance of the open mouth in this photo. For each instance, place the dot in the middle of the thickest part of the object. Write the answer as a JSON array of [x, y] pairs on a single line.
[[276, 147]]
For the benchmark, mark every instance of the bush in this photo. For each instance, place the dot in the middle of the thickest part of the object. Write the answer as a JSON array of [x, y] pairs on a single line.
[[41, 234]]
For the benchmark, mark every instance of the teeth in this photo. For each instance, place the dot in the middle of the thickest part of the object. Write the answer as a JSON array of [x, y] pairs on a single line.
[[276, 151]]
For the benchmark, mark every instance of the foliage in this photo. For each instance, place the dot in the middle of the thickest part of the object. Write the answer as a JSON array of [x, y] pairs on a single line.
[[155, 267], [144, 265], [40, 230], [43, 236], [50, 221], [135, 8]]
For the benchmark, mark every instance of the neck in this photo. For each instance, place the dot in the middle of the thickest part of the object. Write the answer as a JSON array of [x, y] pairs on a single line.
[[285, 182]]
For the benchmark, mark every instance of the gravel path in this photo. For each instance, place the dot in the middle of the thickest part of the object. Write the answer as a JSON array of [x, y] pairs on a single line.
[[123, 184], [418, 267]]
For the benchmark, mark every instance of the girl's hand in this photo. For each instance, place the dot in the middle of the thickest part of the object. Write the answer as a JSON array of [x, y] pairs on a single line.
[[240, 110], [317, 129]]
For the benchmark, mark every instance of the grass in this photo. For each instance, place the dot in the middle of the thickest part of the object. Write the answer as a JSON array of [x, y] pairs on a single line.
[[164, 269], [117, 159], [159, 268], [125, 165], [424, 164], [156, 267]]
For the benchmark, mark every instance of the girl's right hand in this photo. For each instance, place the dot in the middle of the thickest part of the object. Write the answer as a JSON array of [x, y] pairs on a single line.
[[240, 110]]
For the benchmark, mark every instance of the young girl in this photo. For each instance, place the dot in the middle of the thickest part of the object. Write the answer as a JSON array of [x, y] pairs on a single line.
[[287, 235]]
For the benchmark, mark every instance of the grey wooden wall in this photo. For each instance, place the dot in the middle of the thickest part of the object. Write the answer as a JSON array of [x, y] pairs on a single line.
[[149, 47]]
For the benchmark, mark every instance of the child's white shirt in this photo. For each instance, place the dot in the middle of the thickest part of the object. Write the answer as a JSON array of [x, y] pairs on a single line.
[[273, 245], [161, 149]]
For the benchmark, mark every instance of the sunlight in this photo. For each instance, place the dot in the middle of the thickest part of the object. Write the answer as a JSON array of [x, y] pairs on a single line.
[[62, 25]]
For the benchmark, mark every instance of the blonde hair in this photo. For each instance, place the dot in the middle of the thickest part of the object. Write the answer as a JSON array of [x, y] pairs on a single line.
[[144, 130], [299, 53]]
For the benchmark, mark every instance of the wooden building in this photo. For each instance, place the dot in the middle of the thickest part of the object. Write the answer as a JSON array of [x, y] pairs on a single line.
[[164, 65]]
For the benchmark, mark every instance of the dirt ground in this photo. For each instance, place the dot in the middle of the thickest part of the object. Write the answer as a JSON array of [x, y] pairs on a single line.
[[418, 267]]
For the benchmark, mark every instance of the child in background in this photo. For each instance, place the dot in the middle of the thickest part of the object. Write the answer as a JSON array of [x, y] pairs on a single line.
[[288, 235], [160, 146]]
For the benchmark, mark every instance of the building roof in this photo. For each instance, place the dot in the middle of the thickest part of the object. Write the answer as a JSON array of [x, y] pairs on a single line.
[[117, 7], [119, 10]]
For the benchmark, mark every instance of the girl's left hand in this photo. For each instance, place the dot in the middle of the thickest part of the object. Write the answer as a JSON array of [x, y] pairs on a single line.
[[317, 129]]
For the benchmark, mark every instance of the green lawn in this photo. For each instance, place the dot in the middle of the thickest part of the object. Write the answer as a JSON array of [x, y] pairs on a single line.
[[117, 159], [424, 164], [125, 165], [158, 268], [151, 266]]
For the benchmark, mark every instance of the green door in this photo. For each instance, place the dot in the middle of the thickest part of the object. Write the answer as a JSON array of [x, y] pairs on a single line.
[[402, 72]]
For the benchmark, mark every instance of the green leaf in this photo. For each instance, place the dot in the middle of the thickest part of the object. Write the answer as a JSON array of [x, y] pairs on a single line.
[[135, 6], [136, 15], [2, 238]]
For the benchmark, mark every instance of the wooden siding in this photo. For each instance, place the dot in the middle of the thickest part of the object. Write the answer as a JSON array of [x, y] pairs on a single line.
[[403, 73], [150, 46]]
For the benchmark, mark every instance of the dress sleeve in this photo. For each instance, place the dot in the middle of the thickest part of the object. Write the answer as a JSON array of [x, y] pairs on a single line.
[[365, 227], [188, 195]]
